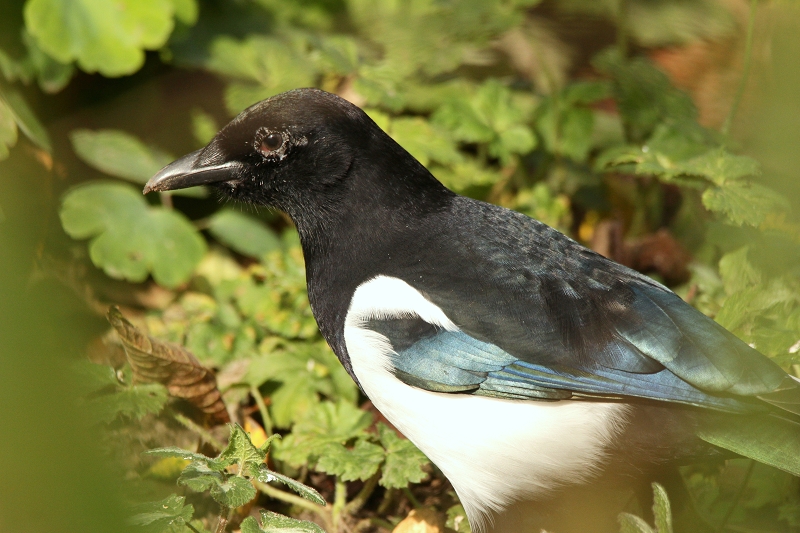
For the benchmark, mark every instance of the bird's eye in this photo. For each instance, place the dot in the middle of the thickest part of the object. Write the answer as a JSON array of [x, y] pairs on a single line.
[[270, 143]]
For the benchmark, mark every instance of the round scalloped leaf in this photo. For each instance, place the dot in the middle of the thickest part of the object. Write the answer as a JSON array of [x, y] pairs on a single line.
[[8, 130], [118, 154], [131, 239], [109, 37]]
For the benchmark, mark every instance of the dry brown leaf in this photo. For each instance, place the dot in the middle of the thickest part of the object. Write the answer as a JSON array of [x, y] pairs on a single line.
[[421, 521], [155, 361]]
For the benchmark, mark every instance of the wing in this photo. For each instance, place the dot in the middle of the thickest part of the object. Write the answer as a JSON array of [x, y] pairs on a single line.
[[540, 316]]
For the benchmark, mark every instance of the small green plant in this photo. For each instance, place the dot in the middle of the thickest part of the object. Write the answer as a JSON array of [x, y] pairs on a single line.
[[661, 511], [230, 479]]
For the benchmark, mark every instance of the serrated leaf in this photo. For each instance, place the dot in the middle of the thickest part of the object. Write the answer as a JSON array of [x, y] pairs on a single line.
[[328, 423], [629, 523], [26, 120], [118, 154], [720, 166], [200, 477], [109, 37], [241, 451], [179, 453], [744, 203], [244, 234], [171, 365], [265, 475], [233, 492], [736, 271], [159, 517], [661, 509], [130, 239], [272, 522], [404, 461], [360, 462], [135, 401]]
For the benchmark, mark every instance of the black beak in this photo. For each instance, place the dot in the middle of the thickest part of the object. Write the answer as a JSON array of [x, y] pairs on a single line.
[[188, 172]]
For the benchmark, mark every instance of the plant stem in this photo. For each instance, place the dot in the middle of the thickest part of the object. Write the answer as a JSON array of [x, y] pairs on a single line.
[[205, 434], [190, 526], [748, 60], [224, 518], [622, 28], [291, 499], [413, 499], [363, 495], [339, 501], [736, 498], [262, 408]]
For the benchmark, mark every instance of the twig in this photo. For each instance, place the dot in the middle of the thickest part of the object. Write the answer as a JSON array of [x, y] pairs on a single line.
[[190, 526], [413, 499], [204, 433], [622, 28], [224, 518], [291, 499], [339, 501], [262, 408], [736, 498], [363, 495], [388, 496], [748, 60]]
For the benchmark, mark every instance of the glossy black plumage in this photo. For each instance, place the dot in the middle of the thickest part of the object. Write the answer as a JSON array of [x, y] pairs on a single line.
[[539, 316]]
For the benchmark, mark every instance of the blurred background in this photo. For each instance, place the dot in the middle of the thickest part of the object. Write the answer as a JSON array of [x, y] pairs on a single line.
[[664, 134]]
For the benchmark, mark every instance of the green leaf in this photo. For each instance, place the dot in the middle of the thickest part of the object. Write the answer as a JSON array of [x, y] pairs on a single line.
[[360, 462], [109, 37], [736, 271], [130, 239], [186, 11], [457, 519], [204, 127], [8, 130], [272, 522], [661, 509], [118, 154], [404, 461], [328, 423], [199, 477], [160, 517], [265, 475], [135, 401], [769, 440], [179, 453], [423, 141], [233, 492], [629, 523], [241, 451], [720, 166], [244, 234], [744, 203], [51, 74], [26, 120], [645, 97]]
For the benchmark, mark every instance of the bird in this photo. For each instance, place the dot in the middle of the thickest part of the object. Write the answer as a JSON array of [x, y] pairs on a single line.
[[536, 374]]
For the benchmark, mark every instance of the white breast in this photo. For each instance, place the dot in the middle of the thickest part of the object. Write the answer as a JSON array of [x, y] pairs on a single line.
[[493, 451]]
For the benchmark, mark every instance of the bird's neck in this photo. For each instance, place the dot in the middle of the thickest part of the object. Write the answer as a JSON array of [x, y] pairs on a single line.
[[355, 231]]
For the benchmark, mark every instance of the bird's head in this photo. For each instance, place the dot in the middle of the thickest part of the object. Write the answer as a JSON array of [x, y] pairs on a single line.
[[286, 149]]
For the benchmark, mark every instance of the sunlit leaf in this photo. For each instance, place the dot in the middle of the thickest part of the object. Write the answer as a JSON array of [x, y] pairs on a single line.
[[159, 517], [109, 37], [349, 464], [272, 522], [243, 233], [25, 119], [134, 401], [130, 239], [404, 461], [744, 203]]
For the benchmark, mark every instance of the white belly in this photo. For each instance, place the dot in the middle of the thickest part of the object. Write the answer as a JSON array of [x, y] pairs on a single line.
[[493, 451]]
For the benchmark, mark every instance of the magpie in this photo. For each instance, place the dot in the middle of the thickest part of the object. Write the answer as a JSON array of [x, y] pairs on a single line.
[[536, 374]]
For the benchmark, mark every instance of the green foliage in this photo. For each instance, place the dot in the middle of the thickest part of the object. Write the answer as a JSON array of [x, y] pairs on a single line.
[[129, 238], [103, 36], [242, 233], [661, 511], [274, 522], [165, 516], [575, 152], [232, 490]]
